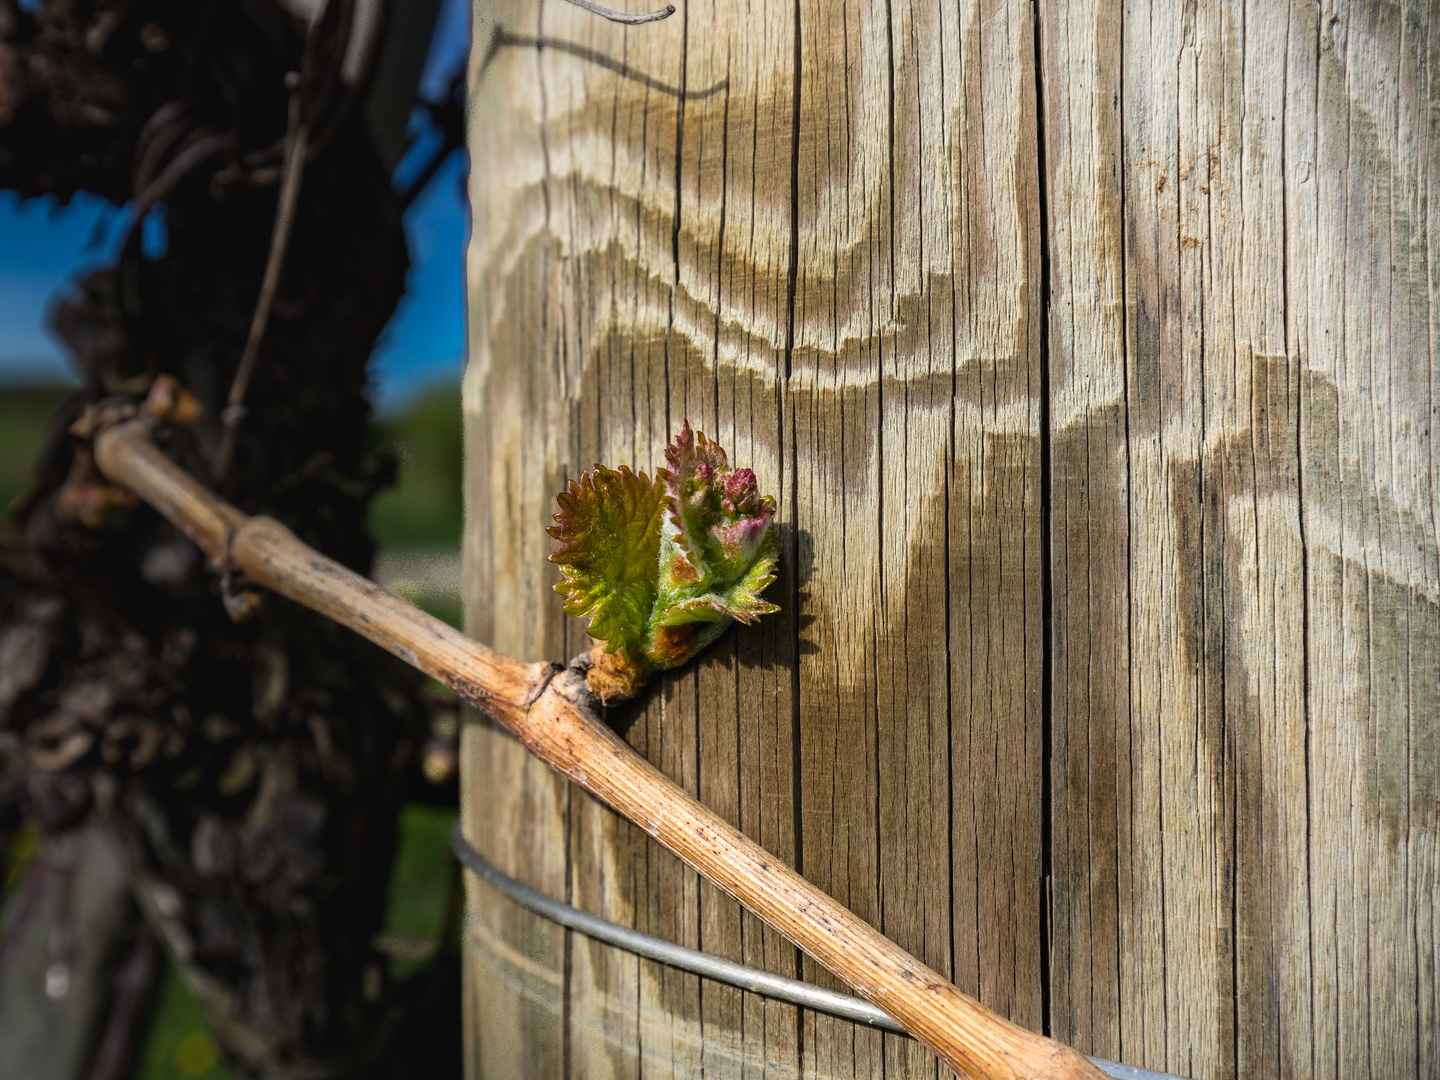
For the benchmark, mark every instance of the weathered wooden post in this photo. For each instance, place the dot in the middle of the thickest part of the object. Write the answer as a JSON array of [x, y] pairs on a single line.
[[1090, 350]]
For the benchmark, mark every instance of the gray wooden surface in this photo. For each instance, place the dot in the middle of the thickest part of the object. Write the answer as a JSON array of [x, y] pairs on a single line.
[[1090, 352]]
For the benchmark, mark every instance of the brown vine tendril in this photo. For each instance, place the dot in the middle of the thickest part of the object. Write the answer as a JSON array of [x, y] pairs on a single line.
[[296, 140]]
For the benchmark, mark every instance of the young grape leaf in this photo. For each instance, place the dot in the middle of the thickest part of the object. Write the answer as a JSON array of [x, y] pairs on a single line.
[[609, 533], [663, 568]]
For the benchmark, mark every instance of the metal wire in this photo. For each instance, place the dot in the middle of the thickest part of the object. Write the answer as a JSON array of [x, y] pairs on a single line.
[[778, 987], [621, 17]]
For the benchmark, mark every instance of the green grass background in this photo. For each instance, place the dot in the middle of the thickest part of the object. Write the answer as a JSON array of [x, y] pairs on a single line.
[[24, 415]]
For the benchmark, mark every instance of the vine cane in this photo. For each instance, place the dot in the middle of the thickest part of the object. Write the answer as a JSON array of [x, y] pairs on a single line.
[[550, 710]]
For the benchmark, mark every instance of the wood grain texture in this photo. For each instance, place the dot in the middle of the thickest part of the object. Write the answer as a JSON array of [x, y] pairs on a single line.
[[789, 226], [815, 230], [1242, 330]]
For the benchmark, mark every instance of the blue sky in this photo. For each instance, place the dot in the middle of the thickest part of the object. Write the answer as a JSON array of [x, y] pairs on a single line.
[[43, 247]]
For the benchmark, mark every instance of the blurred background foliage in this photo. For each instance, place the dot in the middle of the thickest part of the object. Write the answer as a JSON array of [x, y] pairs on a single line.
[[424, 508], [25, 413], [418, 523]]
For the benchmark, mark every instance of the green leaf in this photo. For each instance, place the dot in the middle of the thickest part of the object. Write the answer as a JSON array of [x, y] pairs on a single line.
[[739, 600], [609, 533], [663, 568], [742, 600]]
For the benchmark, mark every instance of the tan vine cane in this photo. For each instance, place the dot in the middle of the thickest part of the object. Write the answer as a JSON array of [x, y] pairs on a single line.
[[550, 710]]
